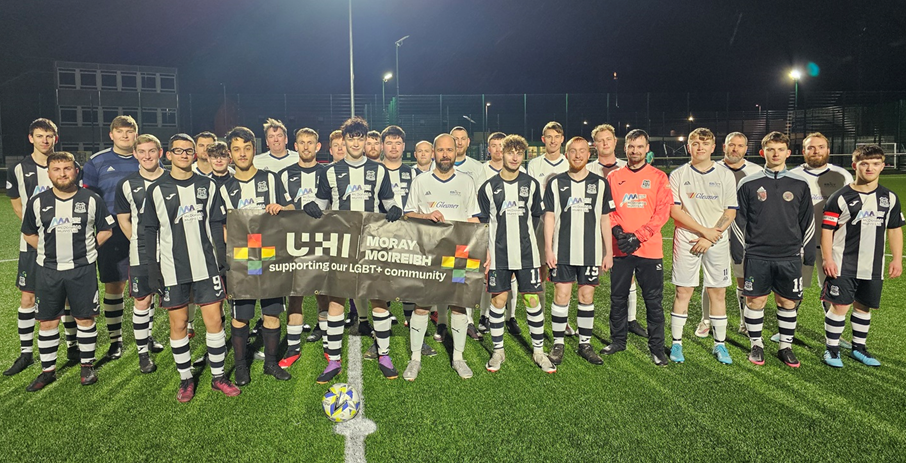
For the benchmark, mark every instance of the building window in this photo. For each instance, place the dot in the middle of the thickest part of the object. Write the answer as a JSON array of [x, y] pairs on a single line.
[[69, 115], [130, 112], [109, 81], [168, 117], [129, 81], [89, 117], [109, 115], [67, 78], [88, 80], [168, 83], [149, 82], [150, 118]]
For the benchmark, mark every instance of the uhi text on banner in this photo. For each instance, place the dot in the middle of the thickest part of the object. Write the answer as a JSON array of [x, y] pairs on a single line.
[[355, 255]]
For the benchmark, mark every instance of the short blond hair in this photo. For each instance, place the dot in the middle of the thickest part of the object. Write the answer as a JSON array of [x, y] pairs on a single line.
[[603, 128], [145, 138], [271, 123]]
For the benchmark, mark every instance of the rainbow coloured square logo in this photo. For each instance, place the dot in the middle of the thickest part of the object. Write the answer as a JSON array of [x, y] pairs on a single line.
[[255, 254], [460, 263]]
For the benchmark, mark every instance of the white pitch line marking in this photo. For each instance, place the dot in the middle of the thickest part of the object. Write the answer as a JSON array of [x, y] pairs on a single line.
[[359, 427]]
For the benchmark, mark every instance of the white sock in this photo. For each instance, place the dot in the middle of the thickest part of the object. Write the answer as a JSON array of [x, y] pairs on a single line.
[[418, 326], [459, 322]]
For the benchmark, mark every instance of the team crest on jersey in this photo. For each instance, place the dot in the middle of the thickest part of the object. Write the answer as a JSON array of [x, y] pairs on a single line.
[[166, 295], [22, 277], [787, 196], [834, 290], [762, 194], [405, 176], [80, 208], [750, 284], [884, 202], [369, 176], [714, 184], [135, 285], [646, 184], [262, 186], [523, 191], [492, 280], [201, 193], [591, 188]]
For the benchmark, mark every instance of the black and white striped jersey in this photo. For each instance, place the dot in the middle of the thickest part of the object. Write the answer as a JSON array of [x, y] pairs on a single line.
[[66, 227], [185, 219], [511, 209], [400, 182], [363, 187], [577, 207], [255, 193], [860, 222], [301, 183], [130, 198], [26, 179]]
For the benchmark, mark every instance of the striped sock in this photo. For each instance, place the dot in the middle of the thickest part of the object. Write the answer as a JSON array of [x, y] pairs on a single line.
[[88, 340], [786, 324], [418, 326], [216, 343], [26, 325], [141, 326], [754, 324], [334, 336], [182, 356], [293, 337], [113, 313], [69, 326], [48, 342], [585, 319], [558, 321], [495, 320], [719, 326], [382, 326], [322, 324], [535, 317], [833, 328], [860, 322], [151, 317], [677, 322]]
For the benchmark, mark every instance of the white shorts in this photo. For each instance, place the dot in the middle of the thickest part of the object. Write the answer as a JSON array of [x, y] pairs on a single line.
[[715, 263]]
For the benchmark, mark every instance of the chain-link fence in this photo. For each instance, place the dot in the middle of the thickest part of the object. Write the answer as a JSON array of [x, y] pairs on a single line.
[[846, 118]]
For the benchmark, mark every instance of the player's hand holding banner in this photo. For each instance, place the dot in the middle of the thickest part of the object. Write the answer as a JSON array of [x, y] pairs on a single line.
[[355, 255]]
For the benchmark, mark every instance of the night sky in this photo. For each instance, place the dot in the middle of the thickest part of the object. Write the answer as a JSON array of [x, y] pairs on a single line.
[[277, 46]]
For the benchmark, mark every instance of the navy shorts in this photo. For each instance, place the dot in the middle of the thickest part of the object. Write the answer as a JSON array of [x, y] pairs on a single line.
[[586, 276], [528, 281], [54, 287]]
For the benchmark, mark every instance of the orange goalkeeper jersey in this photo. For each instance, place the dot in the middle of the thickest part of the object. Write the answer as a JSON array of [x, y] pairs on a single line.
[[643, 201]]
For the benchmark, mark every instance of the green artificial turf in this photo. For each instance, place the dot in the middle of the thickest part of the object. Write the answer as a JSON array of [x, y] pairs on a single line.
[[624, 410]]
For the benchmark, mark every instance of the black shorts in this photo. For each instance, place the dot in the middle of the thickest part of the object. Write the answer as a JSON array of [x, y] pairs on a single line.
[[140, 284], [528, 281], [113, 258], [586, 276], [28, 264], [202, 292], [244, 309], [762, 276], [54, 287], [846, 290]]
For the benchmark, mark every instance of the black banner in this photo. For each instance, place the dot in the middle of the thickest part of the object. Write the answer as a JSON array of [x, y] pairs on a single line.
[[355, 255]]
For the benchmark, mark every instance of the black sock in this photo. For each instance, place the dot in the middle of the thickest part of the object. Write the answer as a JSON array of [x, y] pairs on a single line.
[[271, 342], [240, 341]]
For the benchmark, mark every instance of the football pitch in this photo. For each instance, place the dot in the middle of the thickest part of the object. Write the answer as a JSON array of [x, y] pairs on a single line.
[[625, 410]]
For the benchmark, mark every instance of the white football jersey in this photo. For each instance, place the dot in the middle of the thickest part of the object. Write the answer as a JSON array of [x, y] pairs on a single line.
[[542, 170], [267, 161], [472, 168], [703, 195], [456, 198]]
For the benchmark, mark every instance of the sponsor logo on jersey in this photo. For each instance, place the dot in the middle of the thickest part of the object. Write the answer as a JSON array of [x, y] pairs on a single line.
[[455, 193], [762, 194], [883, 202], [188, 212], [714, 184], [369, 176], [442, 205], [262, 186], [646, 184], [302, 192], [201, 193], [39, 189], [869, 218], [703, 196], [247, 203], [788, 196], [356, 191], [64, 225], [591, 188], [511, 207], [580, 204], [80, 208], [45, 209], [29, 174], [634, 200]]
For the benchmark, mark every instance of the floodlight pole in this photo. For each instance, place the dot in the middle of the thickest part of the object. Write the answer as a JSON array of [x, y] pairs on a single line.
[[398, 43], [351, 74]]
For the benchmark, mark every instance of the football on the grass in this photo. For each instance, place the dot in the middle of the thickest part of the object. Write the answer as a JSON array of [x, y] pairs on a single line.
[[341, 402]]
